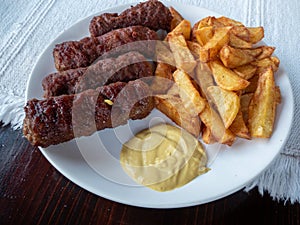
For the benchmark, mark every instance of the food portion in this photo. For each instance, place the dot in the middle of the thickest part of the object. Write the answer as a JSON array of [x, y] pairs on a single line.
[[58, 119], [163, 157], [215, 67], [211, 78], [126, 67], [152, 14], [75, 54]]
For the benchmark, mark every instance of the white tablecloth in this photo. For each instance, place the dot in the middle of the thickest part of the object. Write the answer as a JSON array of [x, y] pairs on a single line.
[[27, 26]]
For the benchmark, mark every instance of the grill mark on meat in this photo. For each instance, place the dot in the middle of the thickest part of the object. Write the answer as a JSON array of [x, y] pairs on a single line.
[[126, 67], [152, 14], [58, 119], [75, 54]]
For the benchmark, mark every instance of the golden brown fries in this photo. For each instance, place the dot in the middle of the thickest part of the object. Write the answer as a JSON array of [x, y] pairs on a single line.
[[184, 28], [246, 71], [211, 49], [256, 34], [221, 79], [262, 106], [204, 78], [239, 127], [171, 106], [226, 102], [235, 57], [184, 59], [191, 98], [177, 18], [212, 121], [161, 83], [226, 78]]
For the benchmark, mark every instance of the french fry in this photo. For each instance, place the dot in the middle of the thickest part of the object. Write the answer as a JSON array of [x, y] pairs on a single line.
[[212, 121], [267, 51], [162, 80], [229, 22], [164, 53], [252, 86], [238, 42], [171, 106], [246, 72], [226, 102], [204, 34], [184, 59], [226, 78], [262, 107], [235, 57], [262, 64], [245, 101], [241, 32], [207, 136], [277, 95], [238, 126], [211, 49], [194, 48], [177, 18], [203, 78], [256, 34], [184, 28], [191, 98]]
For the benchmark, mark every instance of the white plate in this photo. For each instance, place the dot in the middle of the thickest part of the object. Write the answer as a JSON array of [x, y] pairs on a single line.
[[92, 162]]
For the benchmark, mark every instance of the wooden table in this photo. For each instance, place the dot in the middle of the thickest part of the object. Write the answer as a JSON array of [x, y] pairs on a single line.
[[33, 192]]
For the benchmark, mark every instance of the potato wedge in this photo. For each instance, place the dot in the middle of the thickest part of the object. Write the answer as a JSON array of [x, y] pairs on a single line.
[[239, 128], [252, 86], [194, 48], [238, 42], [226, 102], [184, 59], [177, 17], [207, 136], [262, 107], [191, 98], [212, 121], [229, 22], [171, 106], [162, 80], [235, 57], [163, 53], [203, 78], [256, 34], [246, 72], [184, 28], [226, 78], [204, 34], [211, 49], [245, 101], [277, 95], [241, 32], [262, 64], [267, 51]]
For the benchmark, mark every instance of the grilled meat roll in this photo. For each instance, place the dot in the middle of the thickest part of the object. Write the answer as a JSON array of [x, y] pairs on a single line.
[[58, 119], [75, 54], [126, 67], [152, 14]]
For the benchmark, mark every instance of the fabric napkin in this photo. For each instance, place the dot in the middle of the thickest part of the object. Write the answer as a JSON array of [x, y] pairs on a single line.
[[28, 26]]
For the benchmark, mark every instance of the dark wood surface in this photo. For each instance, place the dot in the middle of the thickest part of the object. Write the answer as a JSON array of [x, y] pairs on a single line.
[[33, 192]]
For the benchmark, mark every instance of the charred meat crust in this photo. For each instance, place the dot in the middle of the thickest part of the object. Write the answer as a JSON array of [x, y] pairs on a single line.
[[126, 67], [152, 14], [58, 119], [75, 54]]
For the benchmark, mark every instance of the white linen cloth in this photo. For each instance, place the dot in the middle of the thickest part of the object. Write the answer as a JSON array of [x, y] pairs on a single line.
[[28, 26]]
